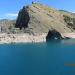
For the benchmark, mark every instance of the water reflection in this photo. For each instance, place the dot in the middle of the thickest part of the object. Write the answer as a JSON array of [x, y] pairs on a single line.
[[68, 42], [55, 57]]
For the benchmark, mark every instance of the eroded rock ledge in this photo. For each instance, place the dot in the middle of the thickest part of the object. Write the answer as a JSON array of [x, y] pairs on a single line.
[[34, 38], [22, 38]]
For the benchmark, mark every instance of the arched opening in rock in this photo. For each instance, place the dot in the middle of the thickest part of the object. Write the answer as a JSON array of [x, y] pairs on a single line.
[[53, 34]]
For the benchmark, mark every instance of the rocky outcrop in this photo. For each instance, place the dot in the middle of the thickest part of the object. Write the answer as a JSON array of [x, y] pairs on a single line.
[[7, 26], [23, 18], [70, 21], [22, 38], [38, 18]]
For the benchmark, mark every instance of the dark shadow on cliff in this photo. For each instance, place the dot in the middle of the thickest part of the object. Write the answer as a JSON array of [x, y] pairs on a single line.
[[23, 18], [53, 35]]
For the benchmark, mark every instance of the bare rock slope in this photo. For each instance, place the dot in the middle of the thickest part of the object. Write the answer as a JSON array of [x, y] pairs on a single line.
[[38, 18], [44, 18]]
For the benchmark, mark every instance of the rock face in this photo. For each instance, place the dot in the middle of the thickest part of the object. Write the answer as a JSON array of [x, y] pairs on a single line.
[[22, 38], [38, 18], [53, 34], [6, 26], [44, 18], [23, 18]]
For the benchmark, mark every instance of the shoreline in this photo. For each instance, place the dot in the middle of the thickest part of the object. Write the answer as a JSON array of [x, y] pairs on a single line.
[[68, 35], [29, 38], [22, 38]]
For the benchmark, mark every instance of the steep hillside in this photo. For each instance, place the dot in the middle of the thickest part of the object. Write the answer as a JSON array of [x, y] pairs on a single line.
[[44, 18], [69, 18], [38, 18]]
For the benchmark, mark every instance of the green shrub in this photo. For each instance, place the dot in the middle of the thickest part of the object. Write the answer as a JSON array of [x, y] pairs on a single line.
[[67, 19]]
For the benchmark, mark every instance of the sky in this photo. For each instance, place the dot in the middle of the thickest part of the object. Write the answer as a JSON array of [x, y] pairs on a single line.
[[9, 8]]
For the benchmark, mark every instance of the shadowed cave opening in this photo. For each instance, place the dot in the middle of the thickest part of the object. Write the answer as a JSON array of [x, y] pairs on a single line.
[[53, 34]]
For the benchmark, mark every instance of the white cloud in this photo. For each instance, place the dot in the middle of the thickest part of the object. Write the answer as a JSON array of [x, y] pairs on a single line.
[[11, 14], [73, 12]]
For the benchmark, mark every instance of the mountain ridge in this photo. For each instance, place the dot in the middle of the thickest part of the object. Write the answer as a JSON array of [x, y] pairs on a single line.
[[42, 19]]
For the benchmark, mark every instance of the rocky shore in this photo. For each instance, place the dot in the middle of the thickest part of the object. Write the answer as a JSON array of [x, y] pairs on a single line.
[[29, 38], [68, 35], [38, 23], [22, 38]]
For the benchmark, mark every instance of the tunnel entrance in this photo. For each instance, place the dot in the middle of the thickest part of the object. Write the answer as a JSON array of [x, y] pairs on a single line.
[[53, 34]]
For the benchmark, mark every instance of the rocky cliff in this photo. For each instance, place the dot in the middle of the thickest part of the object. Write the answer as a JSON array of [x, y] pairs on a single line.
[[38, 18], [43, 18]]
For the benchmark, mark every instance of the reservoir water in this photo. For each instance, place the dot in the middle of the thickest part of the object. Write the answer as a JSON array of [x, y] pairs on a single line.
[[52, 58]]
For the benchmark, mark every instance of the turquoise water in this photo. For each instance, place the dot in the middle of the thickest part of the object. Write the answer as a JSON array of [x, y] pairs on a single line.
[[52, 58]]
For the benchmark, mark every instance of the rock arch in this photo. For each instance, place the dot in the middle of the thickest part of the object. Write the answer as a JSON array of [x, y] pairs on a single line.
[[53, 34]]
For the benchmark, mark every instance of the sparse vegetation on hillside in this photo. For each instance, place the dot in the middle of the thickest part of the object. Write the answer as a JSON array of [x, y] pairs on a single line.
[[38, 18], [67, 19], [70, 21]]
